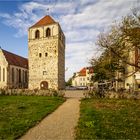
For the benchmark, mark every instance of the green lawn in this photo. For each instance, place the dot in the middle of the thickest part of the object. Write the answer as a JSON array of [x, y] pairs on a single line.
[[109, 119], [19, 113]]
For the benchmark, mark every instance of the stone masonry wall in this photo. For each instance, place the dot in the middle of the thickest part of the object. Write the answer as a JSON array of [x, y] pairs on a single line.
[[44, 54]]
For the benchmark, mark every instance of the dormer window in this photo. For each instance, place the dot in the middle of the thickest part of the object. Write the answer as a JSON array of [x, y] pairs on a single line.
[[48, 32], [37, 34]]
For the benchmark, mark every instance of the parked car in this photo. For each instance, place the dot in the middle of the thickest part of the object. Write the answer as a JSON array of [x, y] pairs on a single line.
[[71, 88], [82, 87]]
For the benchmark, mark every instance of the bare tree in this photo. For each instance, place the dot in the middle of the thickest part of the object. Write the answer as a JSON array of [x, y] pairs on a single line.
[[123, 38]]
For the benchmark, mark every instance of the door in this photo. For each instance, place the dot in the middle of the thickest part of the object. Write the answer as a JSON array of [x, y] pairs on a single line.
[[44, 85]]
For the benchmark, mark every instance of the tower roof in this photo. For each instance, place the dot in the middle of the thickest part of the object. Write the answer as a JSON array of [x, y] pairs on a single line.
[[44, 21]]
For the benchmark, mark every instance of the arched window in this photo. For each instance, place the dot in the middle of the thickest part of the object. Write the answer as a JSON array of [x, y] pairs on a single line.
[[48, 32], [0, 73], [3, 74], [19, 76], [37, 34], [26, 80], [13, 76]]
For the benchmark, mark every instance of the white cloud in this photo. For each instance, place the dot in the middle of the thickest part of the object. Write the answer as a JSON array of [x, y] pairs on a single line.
[[81, 22], [78, 56], [4, 15]]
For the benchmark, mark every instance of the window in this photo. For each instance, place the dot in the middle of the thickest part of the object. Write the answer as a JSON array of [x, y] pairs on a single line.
[[19, 76], [48, 32], [46, 54], [40, 54], [26, 76], [44, 72], [0, 73], [12, 74], [37, 34], [23, 75], [3, 74]]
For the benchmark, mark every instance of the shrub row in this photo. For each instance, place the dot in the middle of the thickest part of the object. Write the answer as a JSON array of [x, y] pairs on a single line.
[[112, 94], [35, 92]]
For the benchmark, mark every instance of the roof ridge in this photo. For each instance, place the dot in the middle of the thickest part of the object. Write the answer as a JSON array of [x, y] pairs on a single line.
[[14, 54], [14, 59], [44, 21]]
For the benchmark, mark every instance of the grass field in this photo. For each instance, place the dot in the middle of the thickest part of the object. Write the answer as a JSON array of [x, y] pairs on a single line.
[[19, 113], [109, 119]]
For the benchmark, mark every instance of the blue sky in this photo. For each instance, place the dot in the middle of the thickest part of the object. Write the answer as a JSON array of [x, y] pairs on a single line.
[[81, 22]]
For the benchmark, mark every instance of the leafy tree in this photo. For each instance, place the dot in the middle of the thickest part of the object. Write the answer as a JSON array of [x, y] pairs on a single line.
[[69, 82], [122, 38], [116, 45], [105, 66]]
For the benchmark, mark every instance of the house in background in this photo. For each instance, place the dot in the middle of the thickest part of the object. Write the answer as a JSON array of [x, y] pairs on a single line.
[[130, 79], [132, 74], [83, 77], [13, 70]]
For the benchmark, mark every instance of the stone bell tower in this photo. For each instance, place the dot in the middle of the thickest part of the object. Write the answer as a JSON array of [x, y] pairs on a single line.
[[46, 43]]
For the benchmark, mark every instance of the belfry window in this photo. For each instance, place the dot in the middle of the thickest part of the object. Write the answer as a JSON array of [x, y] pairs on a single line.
[[37, 34], [48, 32]]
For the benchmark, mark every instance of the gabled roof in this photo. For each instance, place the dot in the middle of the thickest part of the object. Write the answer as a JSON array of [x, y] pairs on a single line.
[[83, 71], [16, 60], [44, 21]]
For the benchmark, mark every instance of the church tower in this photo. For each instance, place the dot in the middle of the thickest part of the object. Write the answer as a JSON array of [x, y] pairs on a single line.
[[46, 43]]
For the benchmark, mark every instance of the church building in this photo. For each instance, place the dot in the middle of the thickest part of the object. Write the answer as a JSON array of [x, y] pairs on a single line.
[[13, 70], [46, 44]]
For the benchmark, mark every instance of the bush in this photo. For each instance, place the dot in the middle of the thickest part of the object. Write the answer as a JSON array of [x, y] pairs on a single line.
[[35, 92], [2, 91], [92, 94], [112, 94]]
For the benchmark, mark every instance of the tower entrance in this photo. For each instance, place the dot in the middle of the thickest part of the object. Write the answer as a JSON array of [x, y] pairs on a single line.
[[44, 85]]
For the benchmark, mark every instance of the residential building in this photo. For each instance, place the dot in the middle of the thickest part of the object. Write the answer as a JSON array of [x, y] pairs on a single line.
[[13, 70], [132, 74], [83, 77], [130, 80]]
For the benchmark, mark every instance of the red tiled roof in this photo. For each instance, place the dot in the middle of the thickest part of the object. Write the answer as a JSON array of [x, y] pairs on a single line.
[[83, 71], [44, 21], [16, 60], [90, 69]]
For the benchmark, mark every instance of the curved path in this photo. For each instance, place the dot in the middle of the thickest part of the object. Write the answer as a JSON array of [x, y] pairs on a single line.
[[59, 125]]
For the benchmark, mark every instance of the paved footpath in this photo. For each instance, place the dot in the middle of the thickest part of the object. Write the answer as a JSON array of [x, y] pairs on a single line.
[[59, 125]]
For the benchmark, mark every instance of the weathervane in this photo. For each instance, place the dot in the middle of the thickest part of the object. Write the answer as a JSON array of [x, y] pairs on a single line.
[[48, 11], [51, 6]]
